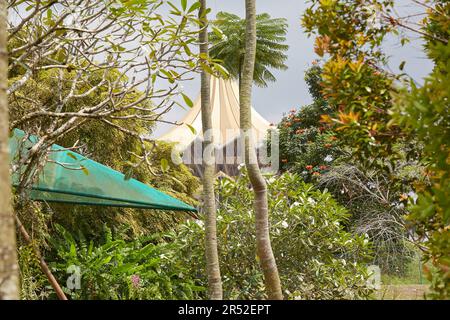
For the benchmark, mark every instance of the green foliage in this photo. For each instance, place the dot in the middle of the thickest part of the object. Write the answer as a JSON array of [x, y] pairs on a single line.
[[352, 79], [34, 284], [316, 257], [113, 148], [414, 273], [145, 268], [425, 112], [228, 45], [177, 180], [63, 82], [347, 28], [376, 115], [307, 145], [310, 147], [309, 150]]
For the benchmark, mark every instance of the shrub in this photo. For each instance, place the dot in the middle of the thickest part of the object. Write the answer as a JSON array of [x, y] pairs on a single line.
[[316, 257], [115, 269]]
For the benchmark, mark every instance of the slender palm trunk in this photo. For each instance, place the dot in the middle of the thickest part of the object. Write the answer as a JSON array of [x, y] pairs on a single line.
[[9, 270], [209, 200], [263, 245]]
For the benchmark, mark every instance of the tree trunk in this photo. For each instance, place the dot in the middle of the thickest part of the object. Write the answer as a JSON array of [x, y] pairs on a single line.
[[263, 245], [9, 270], [209, 199]]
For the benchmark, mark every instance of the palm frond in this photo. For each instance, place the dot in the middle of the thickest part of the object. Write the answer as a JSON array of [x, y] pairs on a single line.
[[270, 47]]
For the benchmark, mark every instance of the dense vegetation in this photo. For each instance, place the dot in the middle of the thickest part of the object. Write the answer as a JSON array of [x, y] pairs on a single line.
[[310, 147], [364, 169], [384, 114], [316, 257]]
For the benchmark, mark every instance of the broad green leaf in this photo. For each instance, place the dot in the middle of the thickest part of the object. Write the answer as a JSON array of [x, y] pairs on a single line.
[[187, 100], [194, 7], [191, 128], [218, 32], [222, 70]]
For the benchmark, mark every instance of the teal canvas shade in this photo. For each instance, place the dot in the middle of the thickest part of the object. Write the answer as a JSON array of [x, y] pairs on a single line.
[[69, 177]]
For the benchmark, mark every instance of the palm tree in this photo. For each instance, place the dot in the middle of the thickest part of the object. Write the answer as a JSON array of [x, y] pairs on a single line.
[[9, 271], [229, 45], [263, 245], [209, 199]]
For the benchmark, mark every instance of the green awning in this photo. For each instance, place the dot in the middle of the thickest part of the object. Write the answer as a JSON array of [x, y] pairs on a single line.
[[69, 177]]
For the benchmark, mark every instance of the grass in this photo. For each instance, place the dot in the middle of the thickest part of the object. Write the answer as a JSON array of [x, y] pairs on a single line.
[[414, 275], [411, 286]]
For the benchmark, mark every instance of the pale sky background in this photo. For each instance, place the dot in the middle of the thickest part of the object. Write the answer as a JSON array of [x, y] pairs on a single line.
[[290, 90]]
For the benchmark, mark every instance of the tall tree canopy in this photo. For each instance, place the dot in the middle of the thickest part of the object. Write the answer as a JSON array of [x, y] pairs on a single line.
[[228, 45]]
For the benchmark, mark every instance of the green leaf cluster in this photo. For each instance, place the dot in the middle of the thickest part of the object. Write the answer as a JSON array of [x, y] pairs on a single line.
[[316, 257]]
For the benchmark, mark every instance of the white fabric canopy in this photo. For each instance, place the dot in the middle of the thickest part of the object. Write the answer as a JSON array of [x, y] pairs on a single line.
[[225, 117]]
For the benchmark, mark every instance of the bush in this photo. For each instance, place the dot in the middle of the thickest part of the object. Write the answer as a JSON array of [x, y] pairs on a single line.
[[306, 145], [116, 269], [316, 257]]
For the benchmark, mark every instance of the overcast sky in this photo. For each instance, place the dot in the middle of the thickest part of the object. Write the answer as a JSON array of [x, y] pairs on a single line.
[[290, 89]]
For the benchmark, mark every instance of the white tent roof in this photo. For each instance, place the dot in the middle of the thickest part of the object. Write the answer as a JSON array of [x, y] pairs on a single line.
[[225, 117]]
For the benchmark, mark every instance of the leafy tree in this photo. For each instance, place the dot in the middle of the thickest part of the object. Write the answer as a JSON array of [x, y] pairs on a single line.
[[425, 112], [80, 71], [316, 257], [115, 50], [310, 147], [228, 45], [355, 81], [113, 148]]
